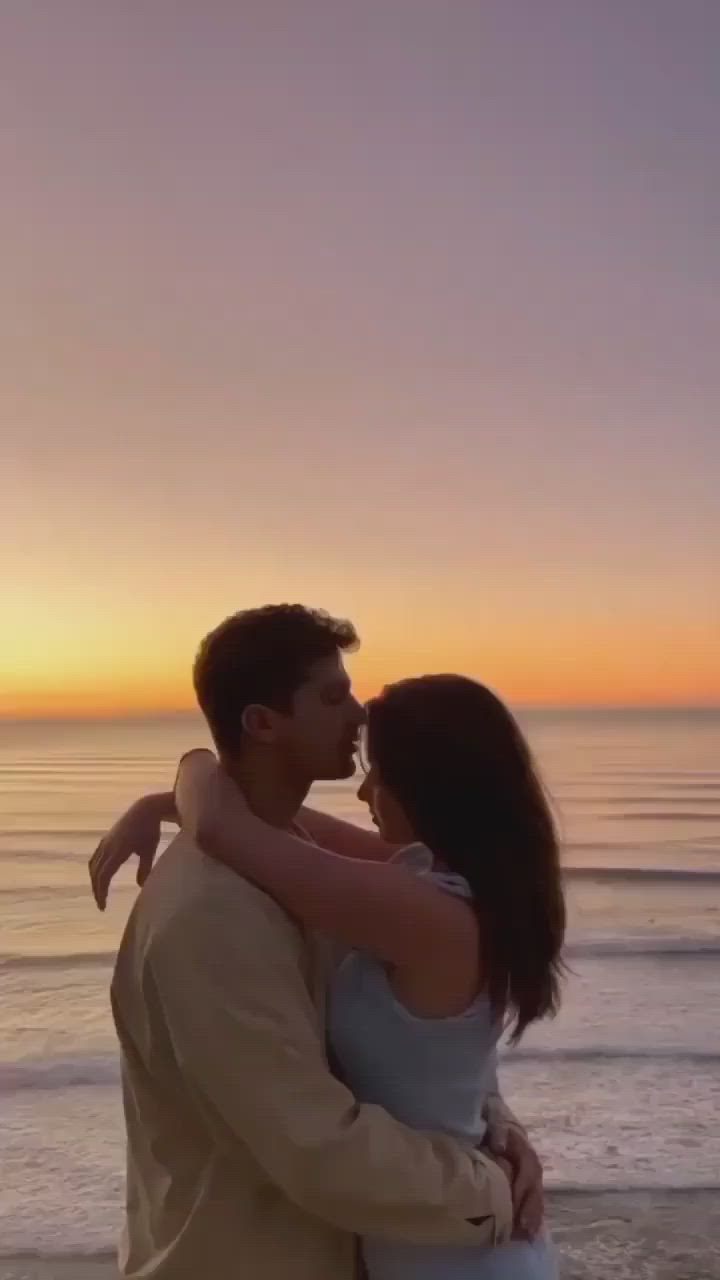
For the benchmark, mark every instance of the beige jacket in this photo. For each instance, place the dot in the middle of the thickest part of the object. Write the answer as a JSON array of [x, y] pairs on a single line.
[[246, 1157]]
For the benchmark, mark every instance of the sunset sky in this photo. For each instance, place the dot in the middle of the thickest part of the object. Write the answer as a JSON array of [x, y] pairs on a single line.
[[408, 309]]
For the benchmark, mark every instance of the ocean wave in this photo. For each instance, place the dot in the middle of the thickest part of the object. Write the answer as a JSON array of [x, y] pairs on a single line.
[[659, 796], [87, 1070], [609, 1053], [62, 763], [639, 947], [643, 947], [59, 1073], [44, 855], [57, 855], [697, 841], [631, 771], [665, 815], [593, 871], [629, 1188], [66, 960], [56, 832], [40, 893], [645, 874], [589, 784], [106, 1253]]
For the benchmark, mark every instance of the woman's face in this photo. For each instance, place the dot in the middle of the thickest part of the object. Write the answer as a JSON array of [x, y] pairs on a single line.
[[387, 813]]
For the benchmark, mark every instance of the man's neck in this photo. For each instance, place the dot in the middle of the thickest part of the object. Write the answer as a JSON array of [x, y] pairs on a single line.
[[271, 795]]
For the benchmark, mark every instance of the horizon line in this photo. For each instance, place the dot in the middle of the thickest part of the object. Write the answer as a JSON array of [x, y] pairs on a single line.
[[169, 713]]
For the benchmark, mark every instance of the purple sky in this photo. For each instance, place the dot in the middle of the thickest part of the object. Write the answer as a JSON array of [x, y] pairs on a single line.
[[408, 309]]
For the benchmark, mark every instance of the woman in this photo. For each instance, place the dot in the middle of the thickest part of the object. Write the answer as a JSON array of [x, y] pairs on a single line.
[[457, 937]]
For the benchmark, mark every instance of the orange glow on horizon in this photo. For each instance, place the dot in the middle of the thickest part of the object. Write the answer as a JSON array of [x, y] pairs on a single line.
[[128, 647], [599, 677]]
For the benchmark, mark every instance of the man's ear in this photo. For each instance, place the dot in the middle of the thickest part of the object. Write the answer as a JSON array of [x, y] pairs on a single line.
[[258, 722]]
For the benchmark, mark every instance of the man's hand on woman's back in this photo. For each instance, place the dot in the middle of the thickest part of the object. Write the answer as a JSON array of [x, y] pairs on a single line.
[[521, 1165]]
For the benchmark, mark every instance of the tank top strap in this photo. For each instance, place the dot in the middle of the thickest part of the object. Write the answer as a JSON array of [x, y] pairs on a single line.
[[418, 858]]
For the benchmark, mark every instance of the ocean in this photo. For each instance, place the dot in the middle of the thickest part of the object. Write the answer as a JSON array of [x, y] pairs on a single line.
[[622, 1090]]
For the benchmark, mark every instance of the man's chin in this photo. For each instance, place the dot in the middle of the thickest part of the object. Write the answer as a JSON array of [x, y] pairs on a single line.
[[343, 769]]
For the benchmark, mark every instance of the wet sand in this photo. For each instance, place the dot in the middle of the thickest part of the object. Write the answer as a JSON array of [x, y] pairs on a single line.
[[601, 1236]]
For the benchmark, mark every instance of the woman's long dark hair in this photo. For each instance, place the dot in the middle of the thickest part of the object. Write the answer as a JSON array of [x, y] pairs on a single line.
[[452, 755]]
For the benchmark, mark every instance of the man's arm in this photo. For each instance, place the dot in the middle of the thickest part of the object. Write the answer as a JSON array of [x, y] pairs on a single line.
[[245, 1034]]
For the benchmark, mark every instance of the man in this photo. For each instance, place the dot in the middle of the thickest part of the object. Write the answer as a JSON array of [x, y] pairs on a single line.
[[246, 1157]]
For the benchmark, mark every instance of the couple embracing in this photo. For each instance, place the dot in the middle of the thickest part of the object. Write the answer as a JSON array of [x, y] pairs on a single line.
[[309, 1011]]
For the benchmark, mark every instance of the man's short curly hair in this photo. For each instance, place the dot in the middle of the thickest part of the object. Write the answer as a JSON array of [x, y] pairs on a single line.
[[262, 656]]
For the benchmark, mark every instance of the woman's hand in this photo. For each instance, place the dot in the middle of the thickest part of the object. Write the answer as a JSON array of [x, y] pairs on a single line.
[[136, 832], [208, 801]]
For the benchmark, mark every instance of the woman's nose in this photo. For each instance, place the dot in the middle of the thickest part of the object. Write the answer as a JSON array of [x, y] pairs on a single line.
[[360, 715]]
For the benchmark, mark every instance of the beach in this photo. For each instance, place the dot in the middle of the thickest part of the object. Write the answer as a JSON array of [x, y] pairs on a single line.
[[601, 1235], [621, 1093]]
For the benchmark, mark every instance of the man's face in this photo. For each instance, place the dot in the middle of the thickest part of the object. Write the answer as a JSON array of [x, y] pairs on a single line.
[[320, 737]]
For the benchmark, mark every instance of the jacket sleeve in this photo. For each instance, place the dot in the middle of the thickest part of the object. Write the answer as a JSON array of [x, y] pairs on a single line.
[[246, 1036]]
